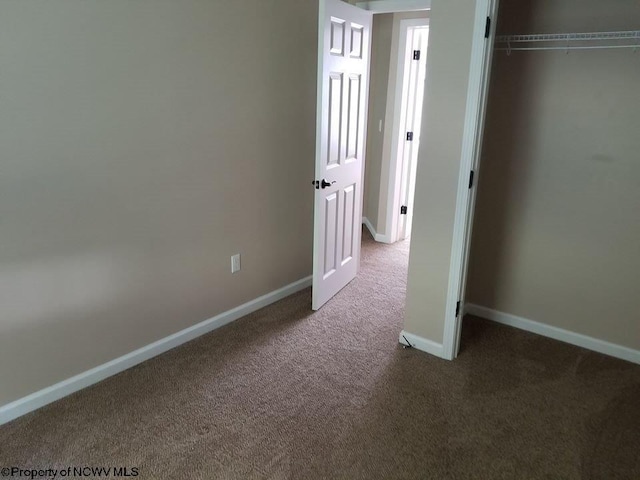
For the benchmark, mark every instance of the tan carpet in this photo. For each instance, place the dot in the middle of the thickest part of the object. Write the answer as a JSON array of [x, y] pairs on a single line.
[[289, 394]]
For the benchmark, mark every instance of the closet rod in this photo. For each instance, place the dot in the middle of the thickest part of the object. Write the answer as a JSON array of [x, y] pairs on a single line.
[[559, 37], [615, 40], [590, 47]]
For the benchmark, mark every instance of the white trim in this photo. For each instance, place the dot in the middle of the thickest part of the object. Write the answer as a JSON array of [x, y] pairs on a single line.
[[367, 224], [378, 237], [393, 184], [392, 199], [55, 392], [479, 70], [556, 333], [394, 187], [320, 112], [394, 6], [422, 344]]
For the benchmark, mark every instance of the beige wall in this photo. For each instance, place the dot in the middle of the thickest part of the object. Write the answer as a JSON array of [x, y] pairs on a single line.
[[450, 38], [142, 143], [557, 231], [379, 78]]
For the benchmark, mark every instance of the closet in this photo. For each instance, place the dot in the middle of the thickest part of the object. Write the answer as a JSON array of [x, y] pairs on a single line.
[[556, 237]]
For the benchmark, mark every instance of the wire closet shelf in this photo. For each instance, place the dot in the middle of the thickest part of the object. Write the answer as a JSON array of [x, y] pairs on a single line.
[[569, 41]]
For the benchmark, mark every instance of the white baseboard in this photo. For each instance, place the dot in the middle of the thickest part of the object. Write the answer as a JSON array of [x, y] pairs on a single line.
[[55, 392], [556, 333], [367, 224], [422, 344], [378, 237]]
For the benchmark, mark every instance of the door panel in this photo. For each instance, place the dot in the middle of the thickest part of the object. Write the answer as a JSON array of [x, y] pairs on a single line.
[[337, 36], [349, 212], [357, 40], [331, 234], [335, 118], [343, 70], [353, 120]]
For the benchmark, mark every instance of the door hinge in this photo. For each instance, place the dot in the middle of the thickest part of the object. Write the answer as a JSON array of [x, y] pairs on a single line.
[[409, 136], [457, 308], [487, 28], [403, 210], [416, 54], [471, 175]]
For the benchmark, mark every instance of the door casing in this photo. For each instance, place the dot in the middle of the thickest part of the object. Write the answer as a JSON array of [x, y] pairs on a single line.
[[477, 94], [393, 199]]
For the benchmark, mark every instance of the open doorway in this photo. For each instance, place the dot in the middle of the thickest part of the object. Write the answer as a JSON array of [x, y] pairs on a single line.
[[398, 70], [344, 55], [415, 34], [343, 90]]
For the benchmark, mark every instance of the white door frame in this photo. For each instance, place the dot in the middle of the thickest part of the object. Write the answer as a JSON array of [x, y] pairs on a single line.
[[394, 186], [477, 93]]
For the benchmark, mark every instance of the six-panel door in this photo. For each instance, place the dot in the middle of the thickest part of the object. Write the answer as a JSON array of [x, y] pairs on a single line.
[[342, 86]]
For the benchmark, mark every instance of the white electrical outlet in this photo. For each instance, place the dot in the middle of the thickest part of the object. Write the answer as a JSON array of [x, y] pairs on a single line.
[[235, 263]]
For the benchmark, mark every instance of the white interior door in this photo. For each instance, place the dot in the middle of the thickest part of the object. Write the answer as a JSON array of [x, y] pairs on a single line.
[[415, 72], [343, 74]]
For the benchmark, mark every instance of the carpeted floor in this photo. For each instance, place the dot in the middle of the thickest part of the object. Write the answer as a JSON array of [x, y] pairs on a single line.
[[285, 393]]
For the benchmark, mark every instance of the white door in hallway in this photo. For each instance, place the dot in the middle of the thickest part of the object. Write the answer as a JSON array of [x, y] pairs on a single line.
[[343, 74], [415, 71]]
